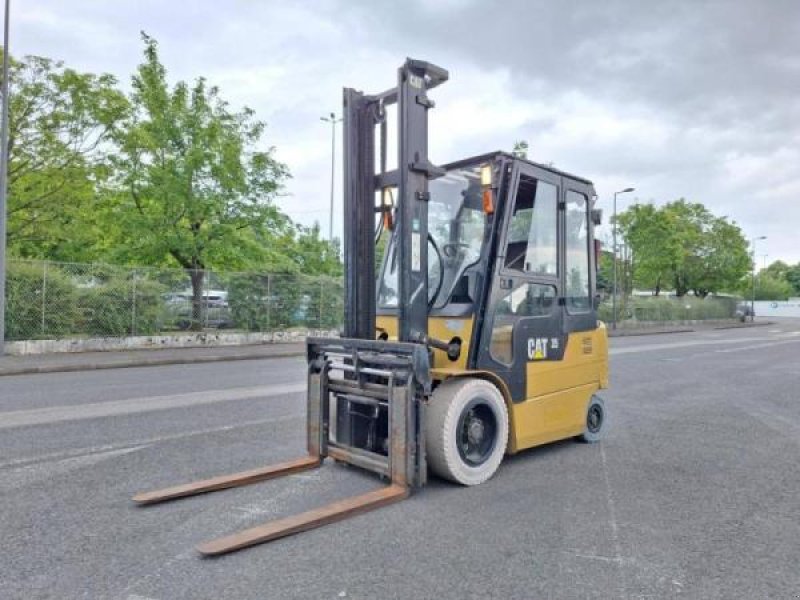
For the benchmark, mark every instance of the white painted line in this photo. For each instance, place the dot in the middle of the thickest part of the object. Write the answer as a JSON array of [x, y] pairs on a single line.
[[612, 521], [756, 346], [144, 442], [58, 414], [685, 344], [30, 474]]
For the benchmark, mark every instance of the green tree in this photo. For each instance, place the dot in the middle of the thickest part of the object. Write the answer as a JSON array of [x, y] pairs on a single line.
[[777, 269], [192, 186], [768, 287], [314, 255], [654, 243], [793, 277], [684, 244], [721, 260], [605, 272], [60, 122], [520, 149]]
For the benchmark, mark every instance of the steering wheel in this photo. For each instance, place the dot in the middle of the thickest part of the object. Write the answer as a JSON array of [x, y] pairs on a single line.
[[450, 249], [432, 296]]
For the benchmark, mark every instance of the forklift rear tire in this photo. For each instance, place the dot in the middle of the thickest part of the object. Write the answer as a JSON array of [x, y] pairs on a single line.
[[466, 430], [596, 421]]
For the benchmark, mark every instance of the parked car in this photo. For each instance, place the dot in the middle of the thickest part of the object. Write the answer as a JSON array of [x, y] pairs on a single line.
[[744, 310], [214, 308]]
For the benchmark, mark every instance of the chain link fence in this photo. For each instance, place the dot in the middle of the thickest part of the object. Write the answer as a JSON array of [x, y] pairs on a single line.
[[645, 311], [49, 300]]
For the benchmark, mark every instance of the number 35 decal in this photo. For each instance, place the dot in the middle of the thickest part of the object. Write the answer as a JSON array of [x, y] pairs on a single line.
[[542, 348]]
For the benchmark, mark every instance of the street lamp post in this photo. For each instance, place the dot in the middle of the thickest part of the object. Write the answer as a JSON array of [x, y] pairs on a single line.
[[753, 278], [614, 287], [333, 120], [4, 183]]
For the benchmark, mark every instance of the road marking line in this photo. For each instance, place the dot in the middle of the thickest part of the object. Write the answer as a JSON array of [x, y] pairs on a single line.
[[612, 520], [31, 474], [671, 345], [57, 414], [146, 442], [767, 345]]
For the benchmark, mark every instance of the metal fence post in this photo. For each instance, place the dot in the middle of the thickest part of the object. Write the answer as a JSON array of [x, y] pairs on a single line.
[[321, 289], [44, 296], [269, 303], [133, 303], [206, 277]]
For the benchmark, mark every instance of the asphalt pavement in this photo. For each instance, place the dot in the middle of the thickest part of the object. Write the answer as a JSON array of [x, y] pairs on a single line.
[[694, 494]]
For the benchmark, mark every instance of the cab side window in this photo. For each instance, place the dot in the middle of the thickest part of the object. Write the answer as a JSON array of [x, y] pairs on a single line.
[[577, 256], [533, 233]]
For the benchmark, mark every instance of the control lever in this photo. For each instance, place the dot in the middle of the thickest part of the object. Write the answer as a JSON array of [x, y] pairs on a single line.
[[452, 348]]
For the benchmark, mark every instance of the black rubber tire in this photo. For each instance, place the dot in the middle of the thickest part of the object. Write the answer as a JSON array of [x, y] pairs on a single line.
[[449, 402], [595, 433]]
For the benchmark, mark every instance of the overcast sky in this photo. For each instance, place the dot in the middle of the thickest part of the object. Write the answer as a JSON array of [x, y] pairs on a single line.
[[678, 99]]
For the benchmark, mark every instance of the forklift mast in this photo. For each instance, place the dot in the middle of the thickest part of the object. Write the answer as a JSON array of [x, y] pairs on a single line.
[[362, 114]]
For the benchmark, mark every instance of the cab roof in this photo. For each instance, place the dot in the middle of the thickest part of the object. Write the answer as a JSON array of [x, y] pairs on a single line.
[[492, 156]]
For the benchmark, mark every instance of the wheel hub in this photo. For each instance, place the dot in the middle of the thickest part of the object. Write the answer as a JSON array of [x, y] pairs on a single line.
[[594, 420], [475, 431]]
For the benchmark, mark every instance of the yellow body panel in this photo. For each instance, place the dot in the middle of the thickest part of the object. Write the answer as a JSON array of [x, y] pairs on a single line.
[[440, 328], [558, 392]]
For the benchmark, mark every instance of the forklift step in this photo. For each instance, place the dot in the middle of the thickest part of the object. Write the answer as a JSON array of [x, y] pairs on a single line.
[[311, 519], [229, 481]]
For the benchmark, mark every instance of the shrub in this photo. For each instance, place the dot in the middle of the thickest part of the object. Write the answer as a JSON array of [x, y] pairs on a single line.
[[40, 302], [118, 308], [274, 302]]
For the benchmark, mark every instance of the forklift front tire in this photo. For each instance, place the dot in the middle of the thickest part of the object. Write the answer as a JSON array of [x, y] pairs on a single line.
[[596, 421], [466, 430]]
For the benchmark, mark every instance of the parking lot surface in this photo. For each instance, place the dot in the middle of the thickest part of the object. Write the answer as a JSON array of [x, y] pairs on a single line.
[[694, 494]]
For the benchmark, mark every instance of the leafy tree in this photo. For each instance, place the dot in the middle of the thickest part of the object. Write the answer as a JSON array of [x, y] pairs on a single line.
[[654, 242], [768, 287], [781, 271], [721, 259], [192, 188], [605, 271], [60, 122], [520, 149], [683, 243], [793, 277], [314, 255], [777, 269]]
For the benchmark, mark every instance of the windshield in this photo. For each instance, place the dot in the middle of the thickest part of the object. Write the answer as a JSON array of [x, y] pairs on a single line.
[[456, 223]]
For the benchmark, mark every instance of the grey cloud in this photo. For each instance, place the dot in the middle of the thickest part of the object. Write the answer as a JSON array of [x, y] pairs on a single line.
[[720, 62]]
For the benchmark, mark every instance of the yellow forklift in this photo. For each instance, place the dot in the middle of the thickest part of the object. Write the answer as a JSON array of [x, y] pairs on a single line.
[[479, 336]]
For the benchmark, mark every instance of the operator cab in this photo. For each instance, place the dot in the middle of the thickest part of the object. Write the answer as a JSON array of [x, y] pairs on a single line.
[[510, 252]]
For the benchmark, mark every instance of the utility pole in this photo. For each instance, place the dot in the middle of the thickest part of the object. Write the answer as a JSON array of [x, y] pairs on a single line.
[[333, 121], [753, 277], [614, 293], [4, 182]]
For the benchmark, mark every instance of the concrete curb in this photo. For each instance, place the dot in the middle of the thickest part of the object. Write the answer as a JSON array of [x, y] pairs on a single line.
[[142, 362], [189, 360]]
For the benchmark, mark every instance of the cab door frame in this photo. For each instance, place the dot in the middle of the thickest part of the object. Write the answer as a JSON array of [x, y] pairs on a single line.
[[502, 280], [579, 320]]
